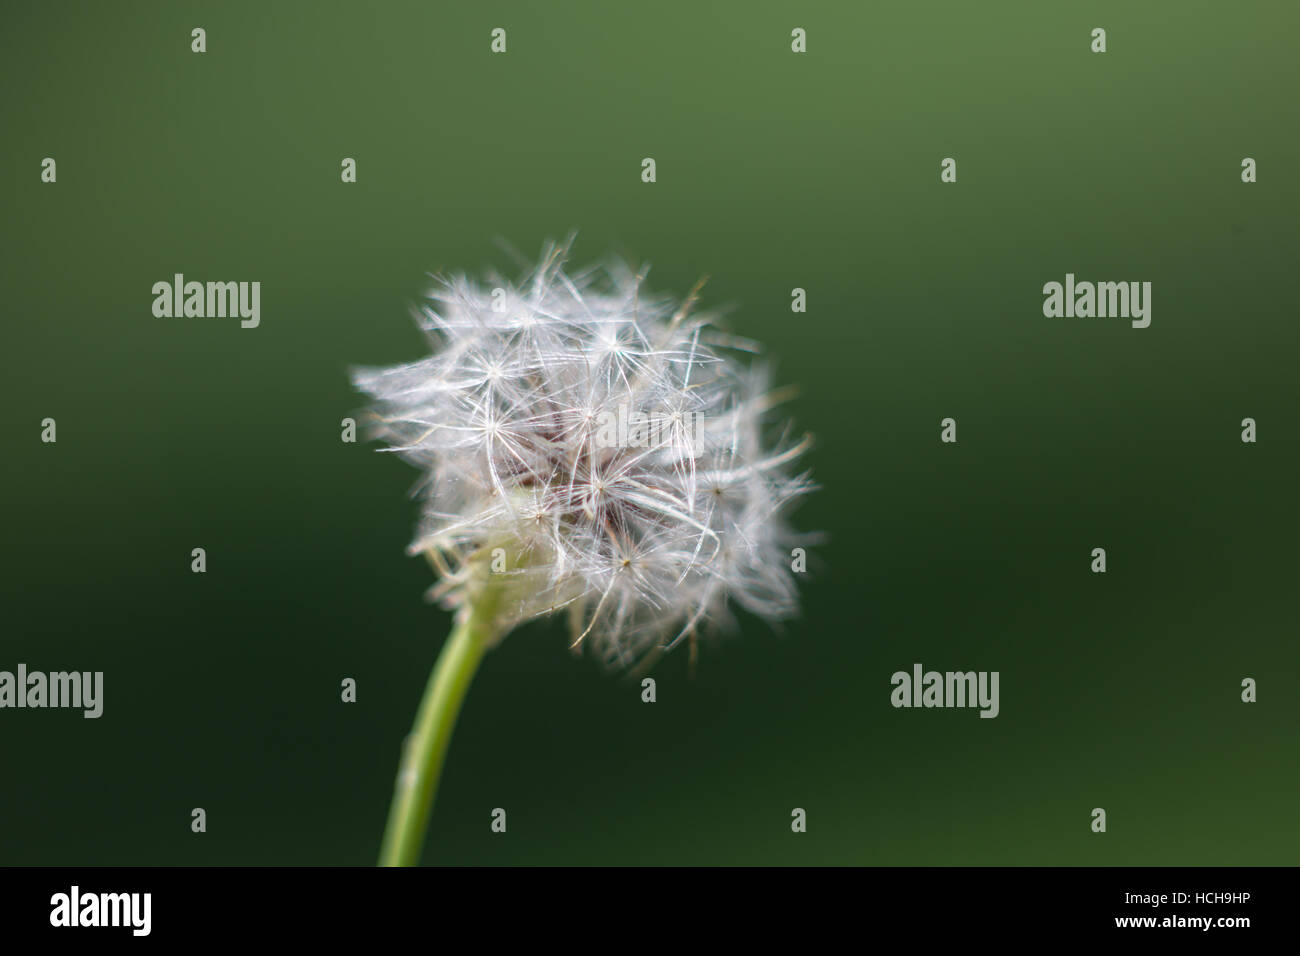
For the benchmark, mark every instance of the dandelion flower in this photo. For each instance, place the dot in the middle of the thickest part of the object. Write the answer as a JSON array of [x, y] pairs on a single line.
[[589, 448]]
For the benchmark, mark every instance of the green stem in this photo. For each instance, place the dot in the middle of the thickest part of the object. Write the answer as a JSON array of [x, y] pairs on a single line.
[[426, 748]]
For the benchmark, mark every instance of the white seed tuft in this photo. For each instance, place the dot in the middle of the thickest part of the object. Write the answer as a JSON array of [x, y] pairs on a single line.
[[610, 441]]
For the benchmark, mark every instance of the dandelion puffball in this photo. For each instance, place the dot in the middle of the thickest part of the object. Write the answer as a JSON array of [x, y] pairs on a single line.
[[586, 446]]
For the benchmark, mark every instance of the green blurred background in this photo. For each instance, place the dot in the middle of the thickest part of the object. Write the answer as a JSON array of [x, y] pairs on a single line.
[[775, 171]]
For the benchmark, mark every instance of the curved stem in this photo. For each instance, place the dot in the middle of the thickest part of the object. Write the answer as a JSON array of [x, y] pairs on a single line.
[[425, 749]]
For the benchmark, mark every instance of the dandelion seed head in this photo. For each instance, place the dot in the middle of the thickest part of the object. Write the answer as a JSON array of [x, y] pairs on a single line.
[[519, 424]]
